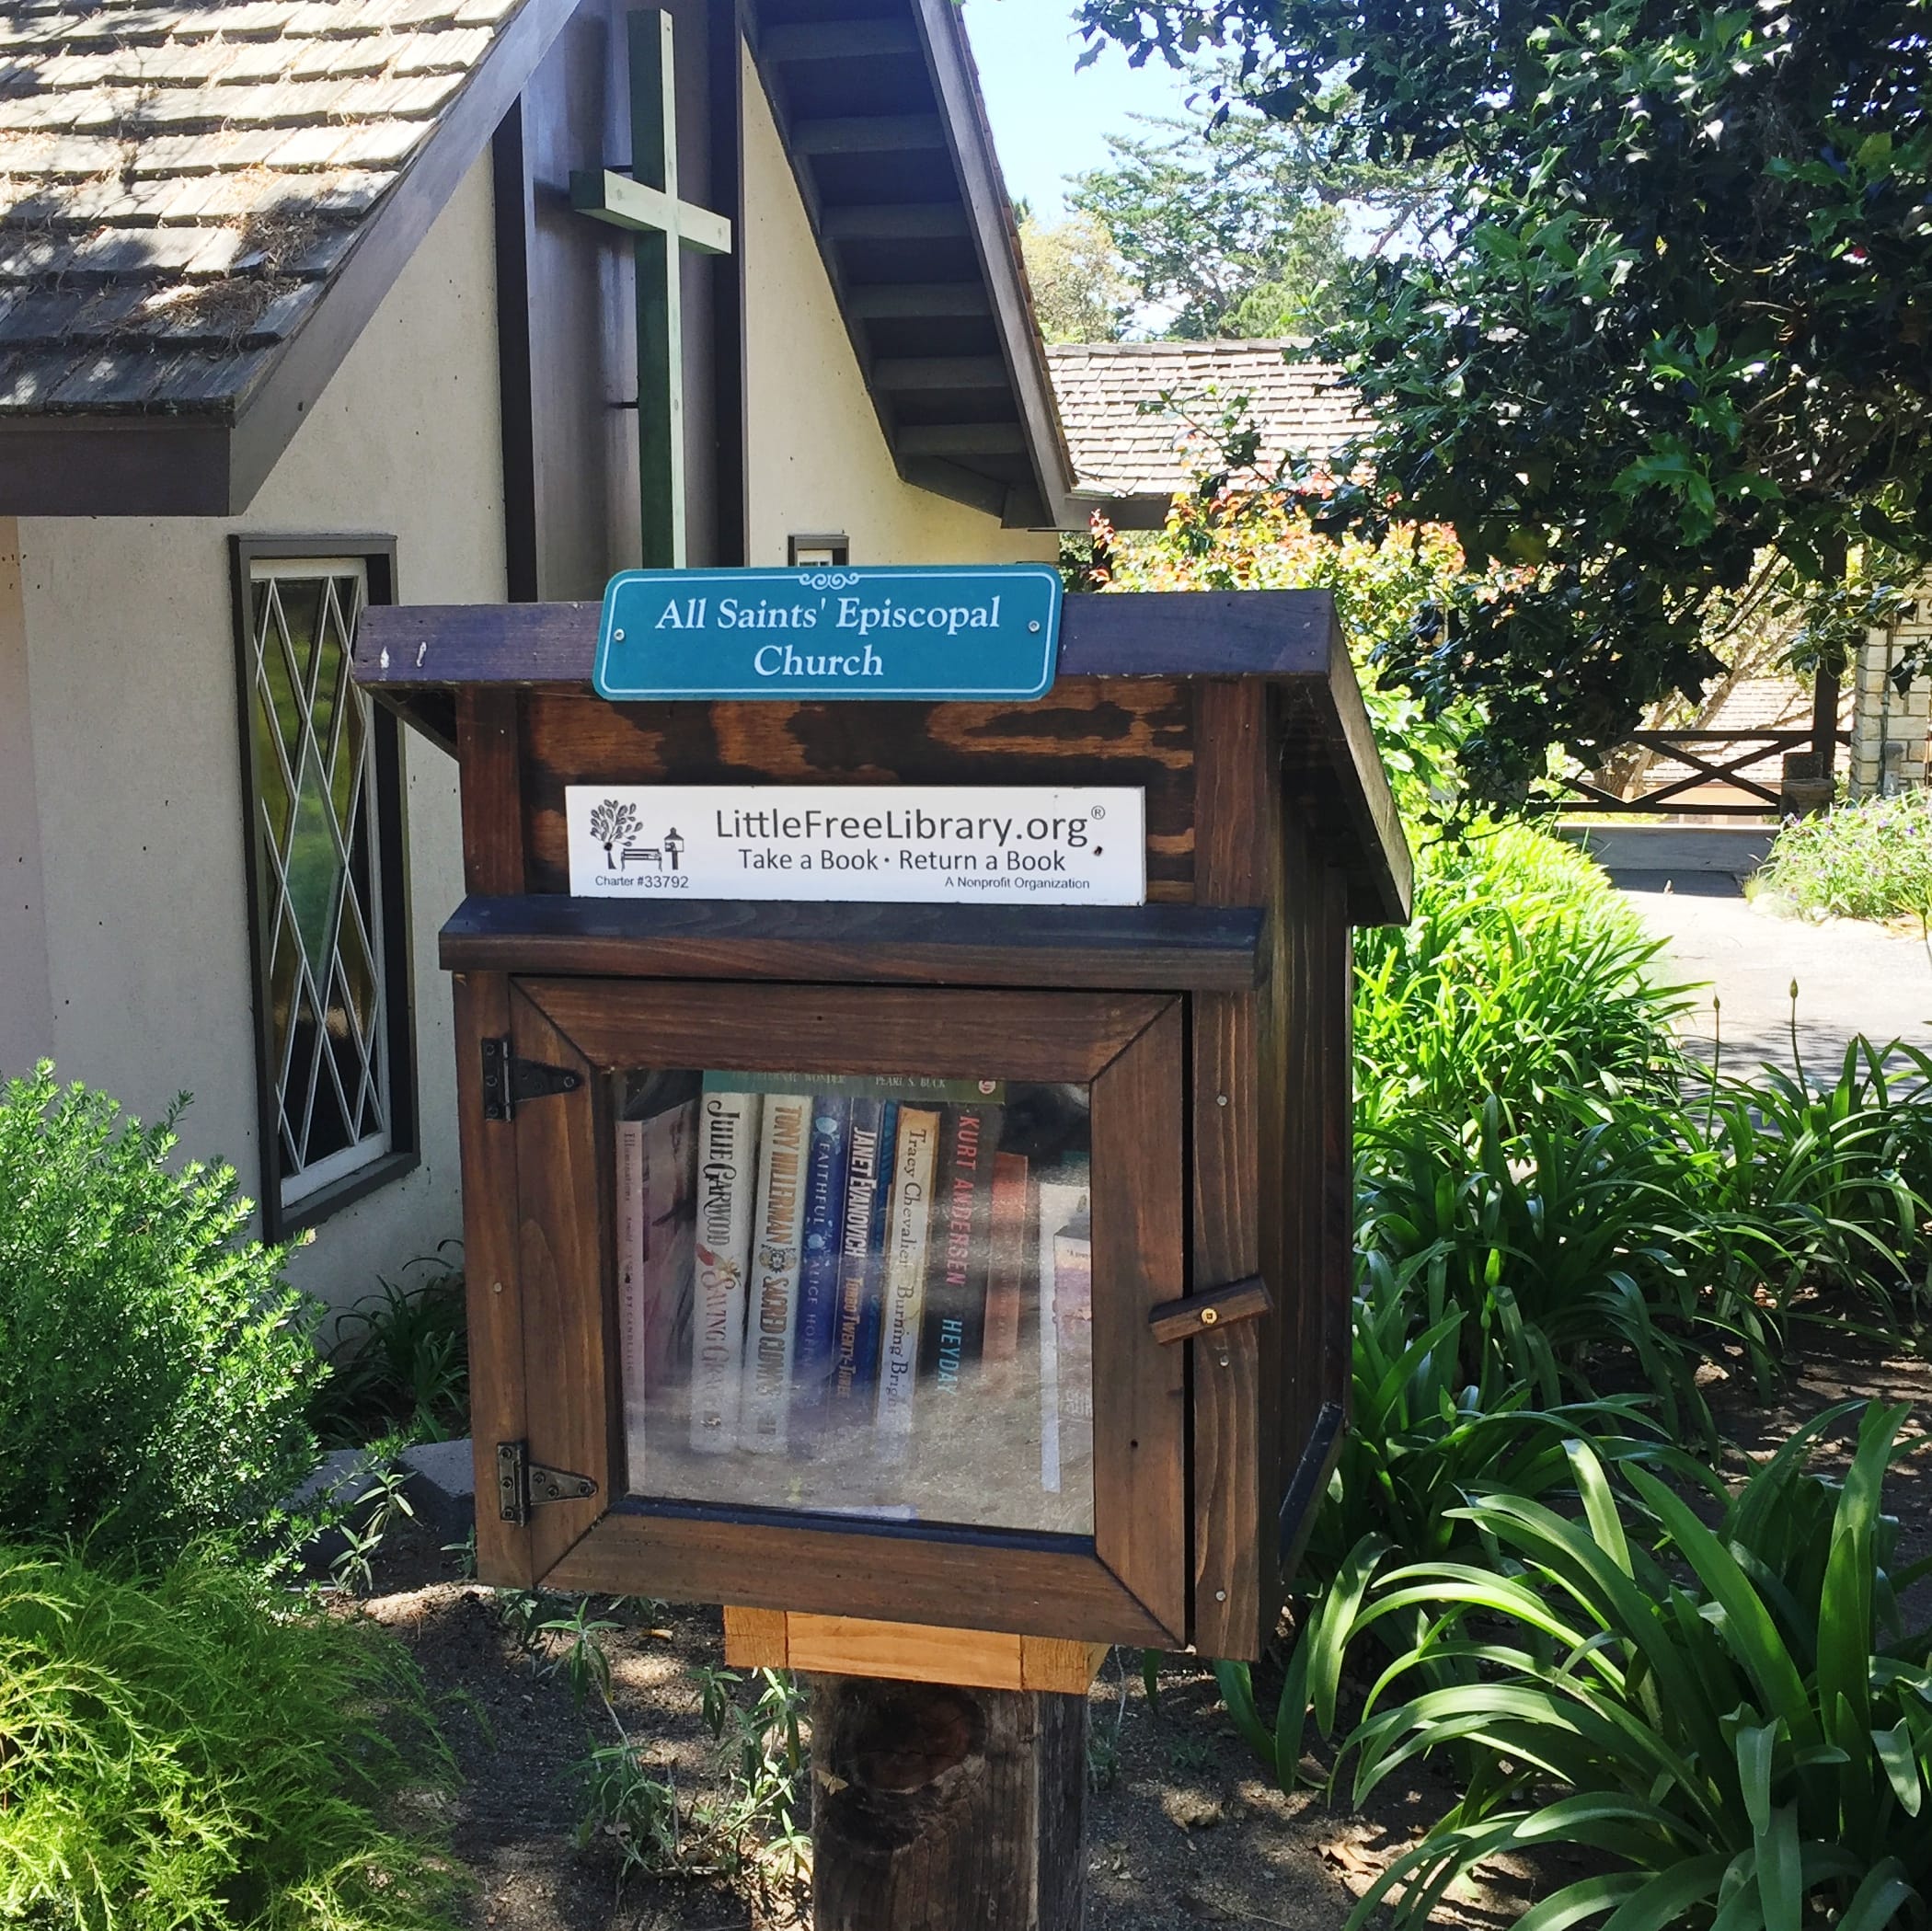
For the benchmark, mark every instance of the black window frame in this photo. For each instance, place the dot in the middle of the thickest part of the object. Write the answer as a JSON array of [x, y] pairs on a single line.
[[840, 546], [279, 1222]]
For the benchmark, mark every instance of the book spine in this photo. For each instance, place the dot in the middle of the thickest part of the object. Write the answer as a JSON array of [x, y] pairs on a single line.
[[904, 1310], [826, 1173], [1066, 1330], [871, 1332], [1055, 1204], [666, 1294], [961, 1261], [1073, 1313], [999, 1349], [772, 1331], [631, 1210], [727, 1151], [855, 1366]]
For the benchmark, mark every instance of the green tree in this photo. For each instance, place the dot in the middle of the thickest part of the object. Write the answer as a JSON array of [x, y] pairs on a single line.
[[1671, 315], [1216, 231], [1080, 293]]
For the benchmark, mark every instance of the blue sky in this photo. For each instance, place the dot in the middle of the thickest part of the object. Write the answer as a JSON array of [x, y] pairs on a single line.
[[1049, 121]]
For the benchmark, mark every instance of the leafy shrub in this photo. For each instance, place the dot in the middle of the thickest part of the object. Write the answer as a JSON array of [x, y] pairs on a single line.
[[399, 1363], [1646, 1232], [1731, 1720], [1873, 859], [190, 1754], [1523, 967], [1558, 1235], [1423, 1437], [153, 1363], [1831, 1186]]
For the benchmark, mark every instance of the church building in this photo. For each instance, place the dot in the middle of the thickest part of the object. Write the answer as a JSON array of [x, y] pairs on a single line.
[[307, 305]]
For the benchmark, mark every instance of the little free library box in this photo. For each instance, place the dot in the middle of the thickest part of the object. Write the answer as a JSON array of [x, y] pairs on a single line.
[[906, 1137]]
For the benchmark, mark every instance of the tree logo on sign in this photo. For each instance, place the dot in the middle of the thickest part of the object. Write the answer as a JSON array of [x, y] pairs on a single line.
[[611, 822]]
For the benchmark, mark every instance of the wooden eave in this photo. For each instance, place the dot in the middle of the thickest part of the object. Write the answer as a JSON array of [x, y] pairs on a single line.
[[887, 134], [195, 464], [415, 659]]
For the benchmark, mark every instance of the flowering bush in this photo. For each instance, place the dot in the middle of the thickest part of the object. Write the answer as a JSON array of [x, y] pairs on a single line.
[[1247, 532], [1873, 859]]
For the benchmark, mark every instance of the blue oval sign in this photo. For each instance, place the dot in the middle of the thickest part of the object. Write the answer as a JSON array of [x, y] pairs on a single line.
[[949, 633]]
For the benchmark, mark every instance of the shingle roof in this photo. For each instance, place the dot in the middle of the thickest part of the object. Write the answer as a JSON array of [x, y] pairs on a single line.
[[1119, 452], [180, 181]]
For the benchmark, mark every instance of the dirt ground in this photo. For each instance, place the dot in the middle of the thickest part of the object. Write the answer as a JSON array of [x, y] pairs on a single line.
[[1184, 1829]]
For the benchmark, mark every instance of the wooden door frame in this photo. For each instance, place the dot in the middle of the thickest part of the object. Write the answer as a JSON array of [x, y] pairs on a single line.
[[1128, 1583]]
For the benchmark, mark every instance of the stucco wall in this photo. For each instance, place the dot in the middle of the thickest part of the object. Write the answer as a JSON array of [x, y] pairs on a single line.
[[25, 1003], [818, 460], [129, 652]]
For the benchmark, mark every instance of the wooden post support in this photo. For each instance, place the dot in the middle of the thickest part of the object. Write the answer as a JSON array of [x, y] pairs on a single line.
[[938, 1808]]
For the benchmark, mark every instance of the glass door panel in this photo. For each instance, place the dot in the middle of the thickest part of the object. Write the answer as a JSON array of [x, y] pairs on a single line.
[[857, 1296]]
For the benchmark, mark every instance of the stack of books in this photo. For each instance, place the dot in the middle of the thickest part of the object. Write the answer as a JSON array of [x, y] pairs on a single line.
[[860, 1296]]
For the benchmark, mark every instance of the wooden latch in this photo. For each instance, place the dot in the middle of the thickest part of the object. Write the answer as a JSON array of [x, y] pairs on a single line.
[[1195, 1315]]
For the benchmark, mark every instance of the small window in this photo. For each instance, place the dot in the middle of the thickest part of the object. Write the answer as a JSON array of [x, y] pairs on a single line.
[[328, 895], [818, 552]]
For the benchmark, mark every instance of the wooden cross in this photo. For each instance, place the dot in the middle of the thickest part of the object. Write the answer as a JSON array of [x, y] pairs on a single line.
[[645, 201]]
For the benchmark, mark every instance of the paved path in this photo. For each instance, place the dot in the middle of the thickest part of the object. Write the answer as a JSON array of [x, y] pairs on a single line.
[[1851, 978]]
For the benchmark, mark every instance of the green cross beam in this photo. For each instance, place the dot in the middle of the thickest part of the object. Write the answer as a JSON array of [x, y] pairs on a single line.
[[646, 202]]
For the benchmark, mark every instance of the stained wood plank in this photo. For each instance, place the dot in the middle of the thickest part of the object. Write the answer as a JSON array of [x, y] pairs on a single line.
[[1134, 947], [563, 1185], [1114, 732], [1140, 1390], [904, 1652], [1233, 1505], [916, 301], [1314, 1163], [1282, 634], [905, 372], [896, 221], [978, 1581], [756, 1638], [857, 1030], [909, 1652], [836, 40], [963, 439], [1288, 637], [1062, 1667], [888, 134], [488, 758], [492, 1282]]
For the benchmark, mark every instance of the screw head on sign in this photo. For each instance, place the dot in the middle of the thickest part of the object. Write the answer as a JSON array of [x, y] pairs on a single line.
[[1034, 625], [616, 637]]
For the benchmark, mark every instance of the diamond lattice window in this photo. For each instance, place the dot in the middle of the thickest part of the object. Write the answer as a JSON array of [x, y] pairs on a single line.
[[319, 893]]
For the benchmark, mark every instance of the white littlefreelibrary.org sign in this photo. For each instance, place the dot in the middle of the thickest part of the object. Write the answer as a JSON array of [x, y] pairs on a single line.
[[935, 844]]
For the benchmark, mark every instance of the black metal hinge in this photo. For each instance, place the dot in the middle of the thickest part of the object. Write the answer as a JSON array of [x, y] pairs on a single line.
[[508, 1082], [524, 1485]]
